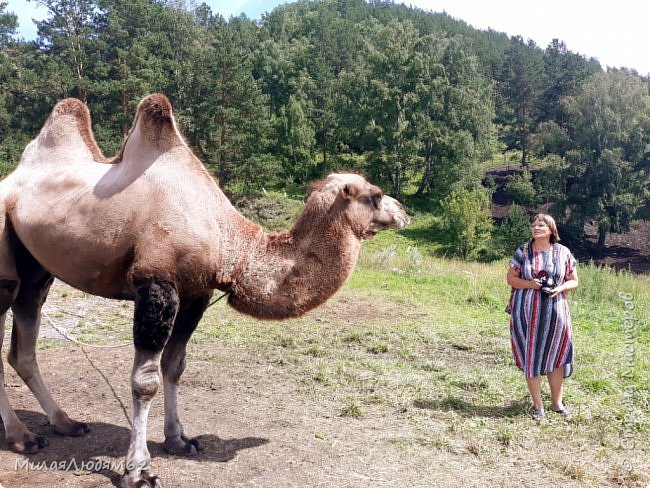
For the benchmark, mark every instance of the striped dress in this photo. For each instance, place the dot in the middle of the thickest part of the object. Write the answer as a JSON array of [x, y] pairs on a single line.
[[540, 327]]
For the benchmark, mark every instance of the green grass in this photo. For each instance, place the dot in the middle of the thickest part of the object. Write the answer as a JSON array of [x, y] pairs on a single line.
[[425, 335]]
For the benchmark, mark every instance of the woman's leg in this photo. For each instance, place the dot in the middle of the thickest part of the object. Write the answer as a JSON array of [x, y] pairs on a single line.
[[535, 389], [556, 383]]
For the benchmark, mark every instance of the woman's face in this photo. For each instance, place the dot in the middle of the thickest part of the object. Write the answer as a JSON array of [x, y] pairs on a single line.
[[540, 230]]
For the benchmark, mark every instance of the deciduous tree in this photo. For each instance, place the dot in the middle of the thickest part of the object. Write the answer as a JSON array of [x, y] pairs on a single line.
[[610, 161]]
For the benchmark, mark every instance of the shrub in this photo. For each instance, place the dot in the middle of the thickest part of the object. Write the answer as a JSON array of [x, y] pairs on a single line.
[[521, 190], [550, 181], [11, 148], [271, 211], [467, 221], [513, 231]]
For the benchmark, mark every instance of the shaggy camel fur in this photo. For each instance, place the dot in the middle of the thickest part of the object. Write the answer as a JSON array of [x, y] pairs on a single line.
[[153, 226]]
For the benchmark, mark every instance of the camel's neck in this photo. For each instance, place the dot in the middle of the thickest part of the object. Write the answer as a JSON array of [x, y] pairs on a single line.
[[292, 272]]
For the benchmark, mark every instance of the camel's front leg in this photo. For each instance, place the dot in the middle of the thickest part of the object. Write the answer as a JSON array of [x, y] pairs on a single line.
[[173, 365], [156, 306], [19, 438]]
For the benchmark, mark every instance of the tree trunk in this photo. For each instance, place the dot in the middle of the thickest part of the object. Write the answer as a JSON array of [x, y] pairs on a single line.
[[602, 234], [427, 172], [324, 147], [124, 101], [523, 139], [396, 180]]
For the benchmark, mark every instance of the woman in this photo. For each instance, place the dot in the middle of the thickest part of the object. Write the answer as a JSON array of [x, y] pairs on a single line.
[[540, 273]]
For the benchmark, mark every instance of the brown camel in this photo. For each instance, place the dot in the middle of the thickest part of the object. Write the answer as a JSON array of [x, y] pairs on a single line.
[[153, 226]]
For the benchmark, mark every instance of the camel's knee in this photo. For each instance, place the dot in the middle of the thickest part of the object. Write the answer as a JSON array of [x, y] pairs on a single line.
[[145, 382], [145, 388]]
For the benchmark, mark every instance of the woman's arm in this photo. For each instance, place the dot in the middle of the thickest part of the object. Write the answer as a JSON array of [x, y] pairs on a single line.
[[515, 281], [570, 283]]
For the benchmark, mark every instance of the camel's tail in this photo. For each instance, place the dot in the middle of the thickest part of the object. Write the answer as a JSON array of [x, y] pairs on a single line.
[[67, 126]]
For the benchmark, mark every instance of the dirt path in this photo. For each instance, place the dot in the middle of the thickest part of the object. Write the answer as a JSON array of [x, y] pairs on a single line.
[[256, 429]]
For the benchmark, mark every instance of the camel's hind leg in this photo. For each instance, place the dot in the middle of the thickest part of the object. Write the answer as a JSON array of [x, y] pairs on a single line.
[[19, 438], [35, 283], [173, 365]]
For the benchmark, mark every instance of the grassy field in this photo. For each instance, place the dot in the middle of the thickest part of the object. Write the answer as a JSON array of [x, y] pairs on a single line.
[[427, 337], [424, 340]]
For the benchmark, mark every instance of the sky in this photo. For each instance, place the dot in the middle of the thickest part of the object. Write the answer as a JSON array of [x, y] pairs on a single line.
[[613, 31]]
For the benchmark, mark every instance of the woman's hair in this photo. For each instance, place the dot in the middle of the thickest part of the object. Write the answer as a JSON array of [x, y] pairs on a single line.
[[550, 221]]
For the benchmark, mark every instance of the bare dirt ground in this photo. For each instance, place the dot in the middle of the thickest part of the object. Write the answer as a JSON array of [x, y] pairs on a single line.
[[256, 427]]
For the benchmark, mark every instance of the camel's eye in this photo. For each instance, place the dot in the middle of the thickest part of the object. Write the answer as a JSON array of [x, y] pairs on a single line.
[[375, 200]]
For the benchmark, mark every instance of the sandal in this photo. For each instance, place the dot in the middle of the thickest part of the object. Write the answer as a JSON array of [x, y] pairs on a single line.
[[538, 414], [562, 411]]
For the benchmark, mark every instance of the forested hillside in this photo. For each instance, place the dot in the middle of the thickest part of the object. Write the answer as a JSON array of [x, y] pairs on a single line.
[[422, 103]]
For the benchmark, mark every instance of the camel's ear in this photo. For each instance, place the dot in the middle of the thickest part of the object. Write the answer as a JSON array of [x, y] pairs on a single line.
[[349, 191]]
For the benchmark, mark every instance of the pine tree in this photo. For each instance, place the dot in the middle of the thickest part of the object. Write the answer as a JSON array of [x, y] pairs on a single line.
[[522, 85]]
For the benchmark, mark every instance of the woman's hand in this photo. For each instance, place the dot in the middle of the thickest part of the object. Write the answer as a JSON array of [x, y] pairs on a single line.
[[556, 291], [515, 281]]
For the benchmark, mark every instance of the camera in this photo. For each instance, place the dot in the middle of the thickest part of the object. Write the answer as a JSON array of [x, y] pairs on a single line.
[[547, 281]]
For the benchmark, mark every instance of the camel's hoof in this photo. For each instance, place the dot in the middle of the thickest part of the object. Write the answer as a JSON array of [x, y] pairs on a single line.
[[73, 429], [64, 425], [146, 480], [182, 446], [30, 444]]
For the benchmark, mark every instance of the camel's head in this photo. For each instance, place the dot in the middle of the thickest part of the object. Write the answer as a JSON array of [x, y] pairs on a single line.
[[365, 206], [295, 271]]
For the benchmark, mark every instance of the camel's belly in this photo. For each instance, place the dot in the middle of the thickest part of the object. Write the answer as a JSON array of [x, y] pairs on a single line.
[[96, 268]]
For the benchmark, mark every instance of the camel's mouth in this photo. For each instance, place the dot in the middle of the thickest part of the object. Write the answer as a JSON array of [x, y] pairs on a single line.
[[392, 216], [397, 222], [369, 234], [401, 221]]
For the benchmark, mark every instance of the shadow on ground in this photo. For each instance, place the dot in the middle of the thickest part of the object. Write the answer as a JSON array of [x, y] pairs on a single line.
[[89, 452], [466, 409]]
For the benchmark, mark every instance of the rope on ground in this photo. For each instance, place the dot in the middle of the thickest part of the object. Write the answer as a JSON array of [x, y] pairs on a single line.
[[65, 334]]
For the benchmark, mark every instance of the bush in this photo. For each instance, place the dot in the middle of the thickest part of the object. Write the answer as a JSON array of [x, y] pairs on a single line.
[[467, 221], [550, 181], [551, 138], [11, 150], [273, 212], [513, 231], [521, 190]]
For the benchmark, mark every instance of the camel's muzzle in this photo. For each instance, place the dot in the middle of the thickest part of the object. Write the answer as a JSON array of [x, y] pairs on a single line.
[[398, 217]]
